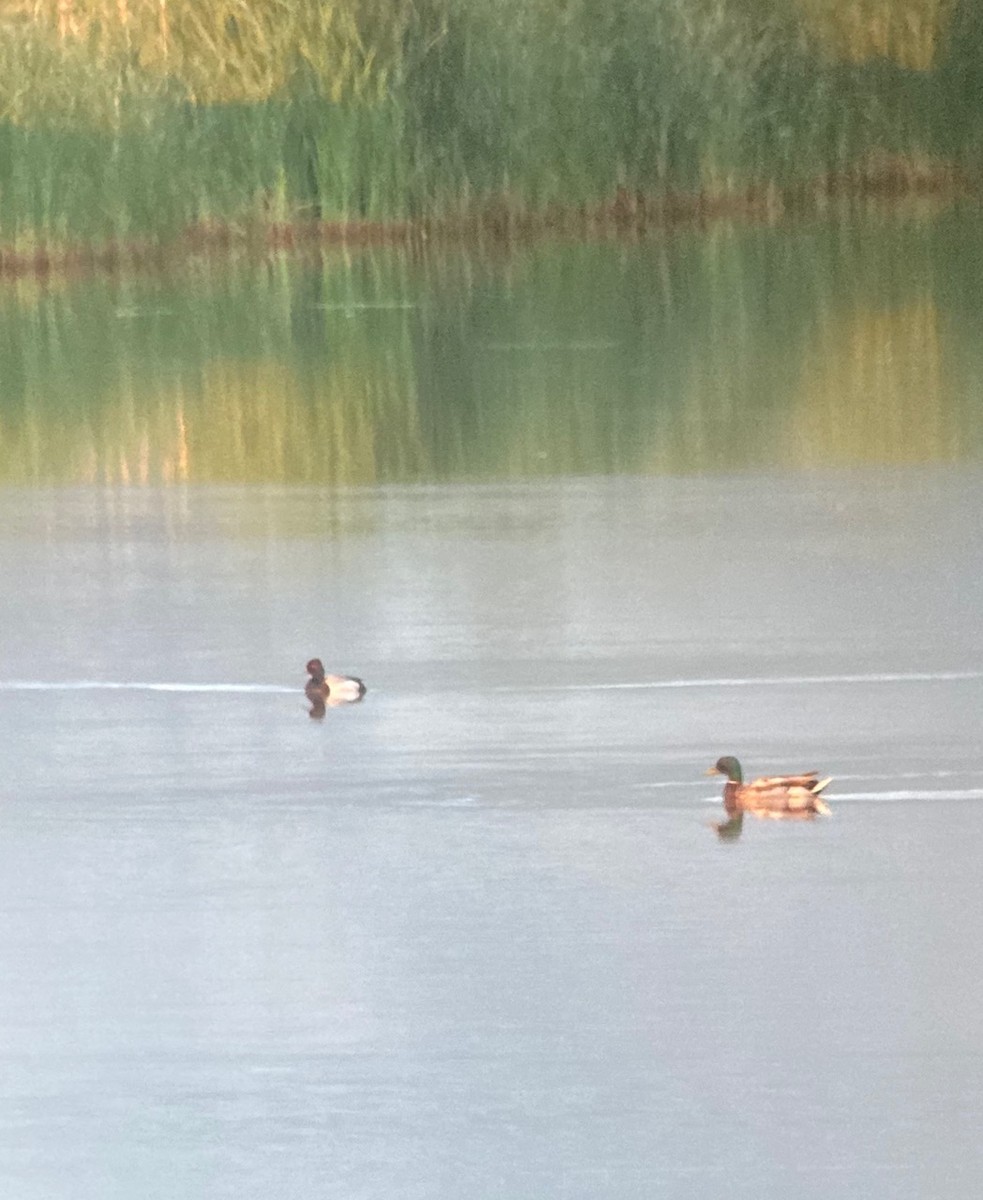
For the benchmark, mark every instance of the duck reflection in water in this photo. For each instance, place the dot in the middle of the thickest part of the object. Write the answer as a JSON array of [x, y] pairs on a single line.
[[329, 691], [729, 831], [779, 797]]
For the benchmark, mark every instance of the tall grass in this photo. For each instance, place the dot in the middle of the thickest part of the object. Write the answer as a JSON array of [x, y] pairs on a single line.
[[126, 119]]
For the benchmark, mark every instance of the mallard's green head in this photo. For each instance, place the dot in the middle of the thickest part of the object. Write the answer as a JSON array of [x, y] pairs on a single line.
[[729, 766]]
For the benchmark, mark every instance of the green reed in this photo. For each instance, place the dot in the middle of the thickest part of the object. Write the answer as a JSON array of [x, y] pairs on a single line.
[[362, 110]]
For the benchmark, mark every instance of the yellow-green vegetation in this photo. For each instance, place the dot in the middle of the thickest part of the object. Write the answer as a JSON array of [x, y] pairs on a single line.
[[139, 118], [909, 34], [828, 346]]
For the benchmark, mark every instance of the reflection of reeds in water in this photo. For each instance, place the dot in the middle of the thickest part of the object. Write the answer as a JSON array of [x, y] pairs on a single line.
[[268, 422], [873, 390], [247, 422], [134, 440], [711, 354], [267, 376]]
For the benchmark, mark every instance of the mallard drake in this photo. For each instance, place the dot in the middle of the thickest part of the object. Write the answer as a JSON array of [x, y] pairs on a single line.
[[332, 689], [773, 795]]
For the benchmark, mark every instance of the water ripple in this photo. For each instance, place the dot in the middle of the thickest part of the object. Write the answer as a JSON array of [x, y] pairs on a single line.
[[88, 685], [769, 681]]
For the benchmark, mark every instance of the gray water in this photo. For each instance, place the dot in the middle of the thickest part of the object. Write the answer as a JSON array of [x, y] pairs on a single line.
[[475, 937], [584, 519]]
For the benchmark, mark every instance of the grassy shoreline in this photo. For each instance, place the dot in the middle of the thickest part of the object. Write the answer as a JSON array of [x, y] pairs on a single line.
[[625, 216], [127, 137]]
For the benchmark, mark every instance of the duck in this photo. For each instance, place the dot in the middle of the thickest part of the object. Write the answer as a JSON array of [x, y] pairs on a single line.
[[332, 689], [778, 796]]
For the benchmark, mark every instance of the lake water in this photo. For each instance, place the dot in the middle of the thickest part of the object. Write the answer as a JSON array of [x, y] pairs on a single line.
[[584, 518]]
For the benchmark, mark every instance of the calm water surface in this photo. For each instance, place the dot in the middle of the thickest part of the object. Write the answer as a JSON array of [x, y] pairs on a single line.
[[475, 937]]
